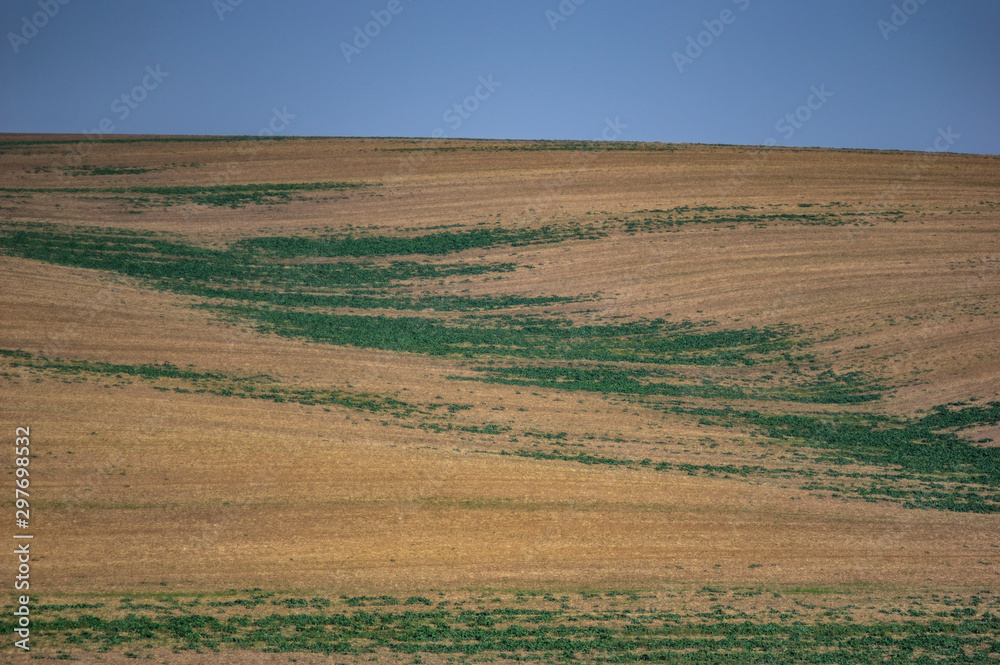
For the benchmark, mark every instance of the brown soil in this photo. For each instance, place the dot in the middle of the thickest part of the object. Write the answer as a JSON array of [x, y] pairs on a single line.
[[136, 487]]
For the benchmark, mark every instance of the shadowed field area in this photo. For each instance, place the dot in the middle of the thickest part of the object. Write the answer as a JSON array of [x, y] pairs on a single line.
[[464, 400]]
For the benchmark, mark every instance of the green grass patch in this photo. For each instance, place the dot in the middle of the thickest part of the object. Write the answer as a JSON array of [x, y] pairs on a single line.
[[233, 196], [637, 381], [933, 466], [596, 628], [165, 376], [90, 170], [444, 242]]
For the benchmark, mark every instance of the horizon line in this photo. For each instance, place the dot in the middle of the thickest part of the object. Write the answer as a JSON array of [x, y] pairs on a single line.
[[129, 138]]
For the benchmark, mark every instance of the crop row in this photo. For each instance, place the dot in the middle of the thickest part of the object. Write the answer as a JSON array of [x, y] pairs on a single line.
[[233, 196], [179, 265], [914, 462], [652, 342], [443, 242], [523, 633], [213, 383], [240, 274], [633, 381]]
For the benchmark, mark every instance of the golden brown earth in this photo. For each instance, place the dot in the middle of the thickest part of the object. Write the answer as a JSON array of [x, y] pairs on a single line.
[[136, 487]]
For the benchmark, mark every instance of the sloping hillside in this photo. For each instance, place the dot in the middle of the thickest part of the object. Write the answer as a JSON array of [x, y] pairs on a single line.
[[586, 382]]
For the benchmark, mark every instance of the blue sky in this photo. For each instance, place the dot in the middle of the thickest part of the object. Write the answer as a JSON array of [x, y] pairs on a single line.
[[851, 73]]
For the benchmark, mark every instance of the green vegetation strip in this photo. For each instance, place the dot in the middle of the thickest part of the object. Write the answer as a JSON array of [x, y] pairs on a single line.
[[233, 196], [651, 221], [213, 383], [383, 300], [540, 146], [595, 629], [445, 242], [928, 445], [277, 285], [654, 342], [928, 465], [83, 141], [265, 282], [240, 273], [829, 389], [91, 170]]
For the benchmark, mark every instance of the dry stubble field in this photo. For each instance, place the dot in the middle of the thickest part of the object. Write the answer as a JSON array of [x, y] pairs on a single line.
[[337, 400]]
